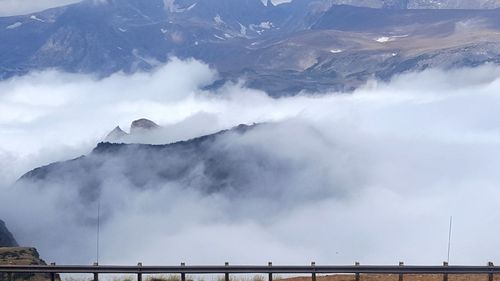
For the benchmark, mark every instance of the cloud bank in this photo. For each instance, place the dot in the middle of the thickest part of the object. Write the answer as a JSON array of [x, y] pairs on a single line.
[[392, 162], [22, 7]]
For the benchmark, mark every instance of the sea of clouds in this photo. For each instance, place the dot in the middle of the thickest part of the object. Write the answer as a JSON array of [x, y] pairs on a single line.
[[391, 161]]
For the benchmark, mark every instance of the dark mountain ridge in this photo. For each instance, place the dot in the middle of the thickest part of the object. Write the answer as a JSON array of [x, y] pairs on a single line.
[[143, 165], [6, 238]]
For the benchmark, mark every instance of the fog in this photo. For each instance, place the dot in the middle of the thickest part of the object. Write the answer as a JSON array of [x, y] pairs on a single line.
[[370, 176]]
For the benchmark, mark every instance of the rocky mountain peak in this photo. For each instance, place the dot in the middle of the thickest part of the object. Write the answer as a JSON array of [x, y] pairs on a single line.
[[116, 134], [137, 128], [142, 124]]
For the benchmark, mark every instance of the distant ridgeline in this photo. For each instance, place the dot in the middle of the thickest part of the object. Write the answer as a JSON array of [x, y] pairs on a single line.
[[143, 165], [311, 45]]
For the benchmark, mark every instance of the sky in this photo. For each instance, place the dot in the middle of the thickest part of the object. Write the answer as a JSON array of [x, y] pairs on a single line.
[[370, 176]]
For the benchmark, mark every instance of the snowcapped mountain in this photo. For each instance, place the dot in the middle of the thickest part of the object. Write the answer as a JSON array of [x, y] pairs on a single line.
[[283, 49]]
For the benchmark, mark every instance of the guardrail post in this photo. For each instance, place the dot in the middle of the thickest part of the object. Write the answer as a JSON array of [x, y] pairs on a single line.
[[53, 274], [445, 275], [9, 276], [490, 275], [139, 274], [401, 274], [96, 275], [313, 277], [358, 276], [183, 275], [226, 274], [270, 277]]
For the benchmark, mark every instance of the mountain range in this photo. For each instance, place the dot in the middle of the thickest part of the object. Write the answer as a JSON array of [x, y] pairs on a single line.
[[304, 45], [201, 163]]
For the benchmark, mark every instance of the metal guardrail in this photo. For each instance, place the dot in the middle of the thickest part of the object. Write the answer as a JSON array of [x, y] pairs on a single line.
[[270, 269]]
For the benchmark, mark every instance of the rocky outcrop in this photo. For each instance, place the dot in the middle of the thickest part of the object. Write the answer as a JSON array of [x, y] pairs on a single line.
[[138, 128], [23, 256], [20, 256], [6, 238], [116, 135], [142, 125]]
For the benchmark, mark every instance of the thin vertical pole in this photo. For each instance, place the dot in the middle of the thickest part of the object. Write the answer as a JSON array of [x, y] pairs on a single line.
[[449, 239], [98, 229], [270, 277], [313, 277], [96, 275], [445, 276], [139, 275], [358, 277], [226, 275], [490, 275], [53, 275], [401, 274], [183, 275]]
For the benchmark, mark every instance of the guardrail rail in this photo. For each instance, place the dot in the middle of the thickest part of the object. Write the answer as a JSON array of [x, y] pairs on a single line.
[[53, 270]]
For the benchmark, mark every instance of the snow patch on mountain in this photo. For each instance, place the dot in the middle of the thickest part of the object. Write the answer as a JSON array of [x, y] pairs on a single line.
[[266, 25], [14, 25], [218, 20], [36, 18]]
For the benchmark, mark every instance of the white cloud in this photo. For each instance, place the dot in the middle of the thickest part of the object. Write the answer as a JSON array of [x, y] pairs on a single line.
[[22, 7], [392, 161]]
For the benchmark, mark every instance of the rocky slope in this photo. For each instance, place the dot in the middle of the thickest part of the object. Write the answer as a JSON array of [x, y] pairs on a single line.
[[23, 256], [302, 45], [20, 256], [235, 163], [6, 238], [143, 165]]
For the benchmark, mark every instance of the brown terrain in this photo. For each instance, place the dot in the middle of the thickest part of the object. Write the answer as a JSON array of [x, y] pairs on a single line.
[[22, 256], [395, 277]]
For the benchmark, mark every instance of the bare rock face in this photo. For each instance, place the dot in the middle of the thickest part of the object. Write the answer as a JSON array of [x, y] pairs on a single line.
[[142, 125], [6, 238], [138, 128], [116, 135]]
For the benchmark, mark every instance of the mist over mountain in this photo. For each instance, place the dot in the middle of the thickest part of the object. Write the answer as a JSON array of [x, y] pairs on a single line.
[[283, 49], [284, 131], [233, 162]]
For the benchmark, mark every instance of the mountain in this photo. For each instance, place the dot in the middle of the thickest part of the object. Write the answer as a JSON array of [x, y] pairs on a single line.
[[6, 238], [142, 165], [236, 163], [311, 45]]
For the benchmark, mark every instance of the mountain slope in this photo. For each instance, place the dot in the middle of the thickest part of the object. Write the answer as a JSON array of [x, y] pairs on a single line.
[[6, 238], [283, 49], [143, 165], [238, 164]]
